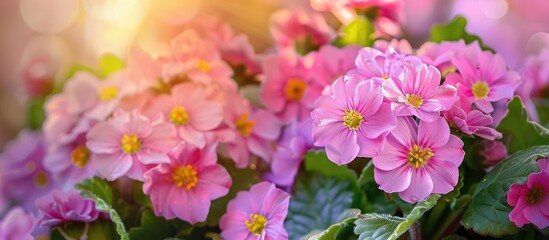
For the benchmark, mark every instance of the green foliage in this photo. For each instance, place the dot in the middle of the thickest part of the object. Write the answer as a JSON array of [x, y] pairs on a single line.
[[383, 226], [317, 161], [99, 190], [153, 227], [35, 113], [488, 212], [454, 31], [109, 64], [377, 200], [317, 204], [518, 131], [360, 31]]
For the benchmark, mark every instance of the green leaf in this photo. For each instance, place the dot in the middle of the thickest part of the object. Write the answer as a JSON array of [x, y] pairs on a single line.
[[488, 212], [454, 31], [35, 113], [383, 226], [317, 161], [109, 64], [317, 204], [360, 31], [518, 131], [100, 191], [344, 226], [454, 193], [153, 227], [367, 174]]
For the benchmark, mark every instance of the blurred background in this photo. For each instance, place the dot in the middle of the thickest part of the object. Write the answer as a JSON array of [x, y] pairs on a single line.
[[40, 39]]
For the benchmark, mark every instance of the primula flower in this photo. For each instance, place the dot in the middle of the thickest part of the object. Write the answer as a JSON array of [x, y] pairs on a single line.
[[332, 62], [531, 200], [401, 46], [483, 77], [189, 111], [493, 153], [290, 87], [440, 55], [256, 214], [371, 63], [16, 225], [299, 28], [60, 207], [419, 160], [419, 94], [352, 120], [127, 142], [535, 84], [471, 122], [185, 186]]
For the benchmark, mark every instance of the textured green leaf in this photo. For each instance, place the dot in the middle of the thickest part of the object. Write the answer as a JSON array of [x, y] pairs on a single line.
[[317, 161], [488, 212], [99, 190], [153, 227], [317, 204], [360, 31], [344, 226], [382, 226], [454, 31], [518, 131]]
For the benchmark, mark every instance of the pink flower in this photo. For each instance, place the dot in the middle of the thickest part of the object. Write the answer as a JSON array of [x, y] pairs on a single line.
[[352, 120], [401, 46], [371, 62], [440, 55], [332, 62], [143, 70], [471, 122], [239, 51], [530, 200], [418, 161], [483, 77], [189, 111], [127, 142], [256, 214], [493, 152], [185, 186], [60, 207], [535, 75], [291, 28], [17, 224], [290, 88], [419, 94]]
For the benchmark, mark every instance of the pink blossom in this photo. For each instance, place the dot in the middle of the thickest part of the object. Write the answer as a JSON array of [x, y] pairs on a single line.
[[352, 120], [185, 186], [535, 76], [419, 94], [127, 142], [143, 70], [471, 122], [332, 62], [291, 28], [419, 160], [401, 46], [17, 224], [239, 51], [371, 63], [256, 214], [189, 111], [440, 55], [530, 200], [483, 77], [60, 207], [290, 87], [493, 152]]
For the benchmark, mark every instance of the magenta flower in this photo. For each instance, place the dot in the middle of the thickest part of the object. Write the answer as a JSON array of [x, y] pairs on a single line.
[[352, 120], [290, 87], [333, 62], [60, 207], [17, 225], [256, 214], [440, 55], [530, 200], [371, 63], [535, 76], [483, 77], [419, 94], [127, 142], [471, 122], [185, 186], [493, 153], [418, 161], [189, 111]]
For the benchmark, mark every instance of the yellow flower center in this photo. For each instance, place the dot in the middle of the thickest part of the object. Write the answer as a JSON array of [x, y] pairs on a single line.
[[480, 90], [448, 70], [179, 116], [41, 179], [244, 125], [294, 89], [80, 156], [418, 156], [415, 100], [204, 66], [108, 93], [385, 77], [130, 143], [256, 224], [535, 195], [352, 119], [185, 176]]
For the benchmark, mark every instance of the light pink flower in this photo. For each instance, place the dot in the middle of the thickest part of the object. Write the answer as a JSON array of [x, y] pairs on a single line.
[[401, 46], [535, 76], [256, 214], [290, 87], [530, 200], [419, 94], [143, 70], [440, 55], [471, 122], [59, 207], [332, 62], [189, 111], [127, 142], [483, 77], [418, 161], [185, 186], [239, 51], [371, 63], [493, 153], [291, 28], [352, 120], [17, 224]]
